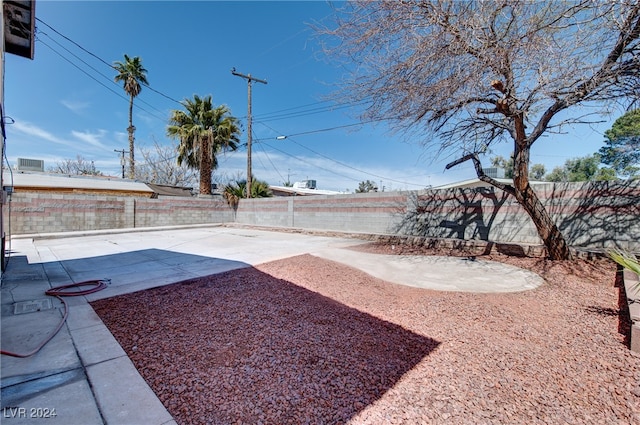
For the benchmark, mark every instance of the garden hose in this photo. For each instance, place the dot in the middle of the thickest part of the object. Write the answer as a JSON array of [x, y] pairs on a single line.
[[59, 292]]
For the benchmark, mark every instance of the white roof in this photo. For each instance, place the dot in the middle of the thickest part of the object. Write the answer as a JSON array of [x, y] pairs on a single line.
[[304, 191], [46, 180], [466, 184]]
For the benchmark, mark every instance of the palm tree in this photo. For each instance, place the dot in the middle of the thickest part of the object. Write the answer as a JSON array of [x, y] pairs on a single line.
[[260, 189], [234, 191], [203, 132], [132, 74]]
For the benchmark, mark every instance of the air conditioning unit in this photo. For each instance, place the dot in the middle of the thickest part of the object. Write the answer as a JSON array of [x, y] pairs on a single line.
[[494, 172], [25, 164], [305, 184]]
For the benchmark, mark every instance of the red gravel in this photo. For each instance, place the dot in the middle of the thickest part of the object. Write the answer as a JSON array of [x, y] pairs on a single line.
[[305, 340]]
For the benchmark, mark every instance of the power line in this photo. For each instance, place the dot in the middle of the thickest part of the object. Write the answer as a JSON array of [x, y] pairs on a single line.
[[310, 163], [73, 42], [304, 133], [82, 70], [276, 115], [96, 80], [271, 162], [94, 69], [338, 162], [266, 116], [73, 54], [294, 107], [313, 111], [123, 161], [269, 116], [99, 58]]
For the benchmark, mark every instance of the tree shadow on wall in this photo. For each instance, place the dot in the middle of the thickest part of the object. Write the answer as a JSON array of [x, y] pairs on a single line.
[[464, 214], [597, 214]]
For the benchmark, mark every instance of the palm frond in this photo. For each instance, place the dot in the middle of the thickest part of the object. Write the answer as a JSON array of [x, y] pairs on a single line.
[[625, 259]]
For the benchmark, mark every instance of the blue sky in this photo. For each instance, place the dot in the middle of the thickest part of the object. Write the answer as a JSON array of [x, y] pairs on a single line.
[[65, 103]]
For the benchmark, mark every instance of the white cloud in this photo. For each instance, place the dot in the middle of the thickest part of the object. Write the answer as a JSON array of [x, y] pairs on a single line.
[[94, 139], [76, 106], [27, 140], [27, 129]]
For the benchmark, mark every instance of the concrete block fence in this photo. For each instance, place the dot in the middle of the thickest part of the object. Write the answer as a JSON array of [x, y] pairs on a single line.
[[590, 215], [37, 212]]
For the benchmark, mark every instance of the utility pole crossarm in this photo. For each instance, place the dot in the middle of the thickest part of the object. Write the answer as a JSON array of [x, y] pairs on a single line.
[[249, 79]]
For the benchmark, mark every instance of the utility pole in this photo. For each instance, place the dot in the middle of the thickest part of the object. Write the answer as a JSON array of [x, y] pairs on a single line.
[[122, 160], [249, 79]]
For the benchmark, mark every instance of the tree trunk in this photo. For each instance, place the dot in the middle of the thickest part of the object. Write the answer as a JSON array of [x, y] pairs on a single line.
[[131, 129], [555, 243], [205, 166], [557, 247]]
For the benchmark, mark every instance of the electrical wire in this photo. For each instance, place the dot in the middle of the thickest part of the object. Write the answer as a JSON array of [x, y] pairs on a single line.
[[73, 42], [100, 59], [94, 69], [39, 33], [292, 108], [310, 163], [272, 116], [97, 81], [269, 116], [272, 164], [313, 111], [304, 133], [338, 162]]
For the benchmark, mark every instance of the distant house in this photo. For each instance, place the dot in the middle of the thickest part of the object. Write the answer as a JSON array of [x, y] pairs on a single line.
[[303, 188], [24, 181], [161, 190], [474, 183], [42, 182]]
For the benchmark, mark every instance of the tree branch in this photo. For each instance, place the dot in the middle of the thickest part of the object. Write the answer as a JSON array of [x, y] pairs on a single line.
[[587, 87], [480, 172]]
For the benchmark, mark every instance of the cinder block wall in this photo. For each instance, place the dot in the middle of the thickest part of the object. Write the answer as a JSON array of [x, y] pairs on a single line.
[[37, 212], [595, 214], [366, 212], [276, 212], [181, 211], [592, 215]]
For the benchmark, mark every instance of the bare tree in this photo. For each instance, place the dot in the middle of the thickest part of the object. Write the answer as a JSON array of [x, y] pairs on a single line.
[[78, 166], [476, 73], [160, 167]]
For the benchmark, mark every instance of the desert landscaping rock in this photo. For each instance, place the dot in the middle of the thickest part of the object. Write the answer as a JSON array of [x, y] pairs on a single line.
[[307, 340]]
